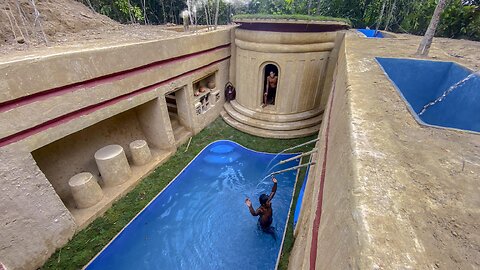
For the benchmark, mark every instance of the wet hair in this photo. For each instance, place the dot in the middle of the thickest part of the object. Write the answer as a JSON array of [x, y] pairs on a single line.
[[263, 199]]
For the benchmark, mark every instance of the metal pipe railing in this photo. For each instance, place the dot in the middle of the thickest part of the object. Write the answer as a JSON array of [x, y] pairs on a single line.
[[300, 145], [298, 156], [293, 168]]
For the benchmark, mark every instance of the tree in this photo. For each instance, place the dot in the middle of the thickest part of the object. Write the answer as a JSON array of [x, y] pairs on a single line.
[[216, 14], [426, 42], [379, 22], [309, 6], [390, 15]]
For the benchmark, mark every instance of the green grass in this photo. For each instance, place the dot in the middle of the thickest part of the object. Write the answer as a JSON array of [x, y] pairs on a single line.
[[290, 17], [88, 242]]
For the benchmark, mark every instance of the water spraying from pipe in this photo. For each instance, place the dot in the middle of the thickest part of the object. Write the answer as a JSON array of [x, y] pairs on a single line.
[[291, 148], [448, 91], [292, 168]]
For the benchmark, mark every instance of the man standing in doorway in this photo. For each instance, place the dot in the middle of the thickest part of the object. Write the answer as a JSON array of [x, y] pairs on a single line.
[[270, 89]]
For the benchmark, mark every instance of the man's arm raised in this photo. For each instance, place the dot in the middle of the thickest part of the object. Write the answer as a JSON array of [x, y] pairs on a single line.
[[274, 189]]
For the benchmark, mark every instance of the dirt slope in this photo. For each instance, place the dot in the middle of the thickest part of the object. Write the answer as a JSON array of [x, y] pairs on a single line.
[[57, 17]]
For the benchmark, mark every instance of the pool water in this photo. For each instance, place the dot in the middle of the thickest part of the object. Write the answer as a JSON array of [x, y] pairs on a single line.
[[200, 221]]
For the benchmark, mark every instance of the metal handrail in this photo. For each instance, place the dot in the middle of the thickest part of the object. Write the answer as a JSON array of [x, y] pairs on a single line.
[[298, 156], [293, 168]]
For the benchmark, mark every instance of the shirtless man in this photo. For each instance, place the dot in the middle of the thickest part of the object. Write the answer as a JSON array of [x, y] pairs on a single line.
[[265, 210], [270, 88]]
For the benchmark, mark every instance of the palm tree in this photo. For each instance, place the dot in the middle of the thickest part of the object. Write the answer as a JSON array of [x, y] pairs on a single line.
[[426, 42]]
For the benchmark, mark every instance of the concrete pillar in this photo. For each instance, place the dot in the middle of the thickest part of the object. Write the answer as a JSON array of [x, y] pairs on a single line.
[[155, 123], [140, 152], [112, 164], [85, 190]]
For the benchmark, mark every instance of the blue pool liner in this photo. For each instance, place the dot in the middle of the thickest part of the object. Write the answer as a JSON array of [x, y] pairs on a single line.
[[298, 207], [370, 33], [420, 82], [200, 221]]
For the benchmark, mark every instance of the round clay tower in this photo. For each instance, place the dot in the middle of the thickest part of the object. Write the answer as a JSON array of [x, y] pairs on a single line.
[[282, 68]]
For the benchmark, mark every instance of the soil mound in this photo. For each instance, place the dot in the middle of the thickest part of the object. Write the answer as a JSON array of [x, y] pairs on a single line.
[[27, 22]]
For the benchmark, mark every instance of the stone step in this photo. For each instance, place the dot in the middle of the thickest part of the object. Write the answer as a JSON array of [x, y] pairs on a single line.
[[171, 101], [174, 120], [175, 123], [178, 130], [269, 124], [277, 134], [279, 118], [172, 109], [181, 135]]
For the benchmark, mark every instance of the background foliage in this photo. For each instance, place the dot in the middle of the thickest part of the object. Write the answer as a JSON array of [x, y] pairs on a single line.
[[461, 18]]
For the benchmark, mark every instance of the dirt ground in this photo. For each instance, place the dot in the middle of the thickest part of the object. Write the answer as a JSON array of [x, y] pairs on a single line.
[[20, 27], [429, 175], [464, 51], [66, 23]]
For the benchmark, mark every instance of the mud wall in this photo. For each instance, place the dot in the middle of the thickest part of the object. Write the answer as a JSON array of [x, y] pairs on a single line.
[[73, 154], [301, 59], [328, 202]]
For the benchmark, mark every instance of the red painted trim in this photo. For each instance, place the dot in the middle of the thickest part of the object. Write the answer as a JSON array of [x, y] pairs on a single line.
[[87, 110], [318, 211], [21, 101]]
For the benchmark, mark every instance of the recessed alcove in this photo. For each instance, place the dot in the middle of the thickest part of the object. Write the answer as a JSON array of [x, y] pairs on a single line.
[[73, 154]]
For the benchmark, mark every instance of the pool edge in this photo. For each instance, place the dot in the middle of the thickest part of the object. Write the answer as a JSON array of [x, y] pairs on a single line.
[[288, 216]]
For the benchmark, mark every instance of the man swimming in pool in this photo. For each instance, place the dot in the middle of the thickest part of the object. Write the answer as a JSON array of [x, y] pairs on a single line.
[[265, 210]]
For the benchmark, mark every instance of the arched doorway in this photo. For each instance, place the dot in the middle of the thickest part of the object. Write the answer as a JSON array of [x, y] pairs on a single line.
[[270, 83]]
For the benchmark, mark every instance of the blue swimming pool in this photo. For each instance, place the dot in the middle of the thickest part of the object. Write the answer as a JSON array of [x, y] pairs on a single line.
[[441, 94], [371, 33], [200, 221]]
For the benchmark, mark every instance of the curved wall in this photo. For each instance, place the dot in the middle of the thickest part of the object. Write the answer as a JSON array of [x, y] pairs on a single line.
[[301, 58]]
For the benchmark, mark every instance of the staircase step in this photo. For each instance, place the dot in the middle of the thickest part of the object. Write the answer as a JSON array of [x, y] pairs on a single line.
[[270, 125], [277, 134], [175, 123], [279, 118], [178, 130], [181, 135], [172, 109], [170, 100]]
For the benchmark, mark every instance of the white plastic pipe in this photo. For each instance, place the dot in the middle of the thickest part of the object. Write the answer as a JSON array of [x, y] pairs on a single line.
[[293, 168]]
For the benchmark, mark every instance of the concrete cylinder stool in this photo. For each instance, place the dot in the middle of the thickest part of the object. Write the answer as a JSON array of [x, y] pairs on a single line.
[[140, 152], [85, 190], [112, 164]]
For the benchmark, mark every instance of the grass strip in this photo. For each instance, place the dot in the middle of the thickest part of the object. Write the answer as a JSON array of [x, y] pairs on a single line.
[[297, 17]]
